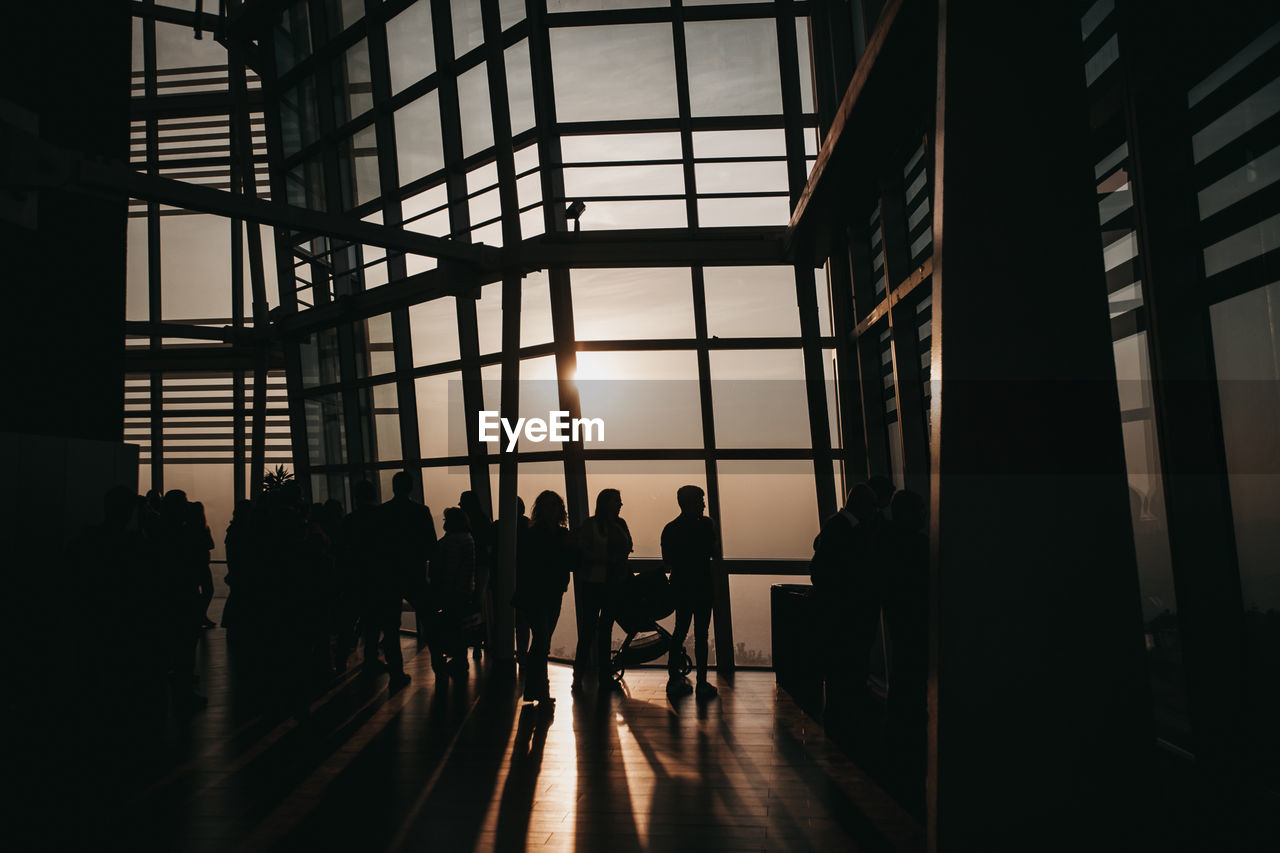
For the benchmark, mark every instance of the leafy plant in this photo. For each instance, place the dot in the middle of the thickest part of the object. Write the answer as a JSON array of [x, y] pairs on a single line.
[[273, 480]]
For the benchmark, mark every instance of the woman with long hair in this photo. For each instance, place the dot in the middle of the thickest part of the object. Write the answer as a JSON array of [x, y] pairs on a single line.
[[542, 576]]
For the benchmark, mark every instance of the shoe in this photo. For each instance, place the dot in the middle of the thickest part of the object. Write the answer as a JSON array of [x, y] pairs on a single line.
[[707, 690], [679, 686], [398, 680]]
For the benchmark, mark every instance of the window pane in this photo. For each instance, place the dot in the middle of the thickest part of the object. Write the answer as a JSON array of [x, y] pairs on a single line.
[[410, 47], [735, 212], [620, 304], [468, 26], [768, 509], [614, 72], [733, 67], [646, 399], [740, 379], [418, 147], [519, 86], [749, 598], [621, 147], [441, 426], [745, 302], [433, 327], [473, 110], [535, 310]]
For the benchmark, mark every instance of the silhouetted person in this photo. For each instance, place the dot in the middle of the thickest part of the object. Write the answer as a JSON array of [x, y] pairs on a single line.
[[182, 603], [238, 545], [845, 570], [453, 584], [485, 538], [883, 487], [356, 567], [604, 542], [691, 551], [542, 576], [201, 544], [408, 538], [906, 613], [522, 626]]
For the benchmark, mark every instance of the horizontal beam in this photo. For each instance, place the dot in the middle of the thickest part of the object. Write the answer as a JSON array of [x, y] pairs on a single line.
[[656, 247], [118, 178]]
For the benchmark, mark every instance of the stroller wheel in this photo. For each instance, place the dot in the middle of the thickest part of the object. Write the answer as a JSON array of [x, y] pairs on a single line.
[[686, 663]]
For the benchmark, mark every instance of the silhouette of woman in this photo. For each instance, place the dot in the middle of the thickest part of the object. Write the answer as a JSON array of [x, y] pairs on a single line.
[[542, 575], [605, 542]]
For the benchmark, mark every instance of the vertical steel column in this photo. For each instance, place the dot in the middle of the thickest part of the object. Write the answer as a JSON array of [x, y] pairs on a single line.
[[155, 307], [806, 293], [553, 211]]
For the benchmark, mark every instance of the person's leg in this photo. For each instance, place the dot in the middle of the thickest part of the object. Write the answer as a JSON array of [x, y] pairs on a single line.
[[586, 609], [391, 638], [523, 637], [701, 650], [535, 682], [604, 634], [675, 657]]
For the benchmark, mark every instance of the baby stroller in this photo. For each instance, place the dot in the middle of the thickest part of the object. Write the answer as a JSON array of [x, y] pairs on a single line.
[[643, 600]]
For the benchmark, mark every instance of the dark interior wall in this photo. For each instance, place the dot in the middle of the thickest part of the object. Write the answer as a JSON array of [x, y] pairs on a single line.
[[62, 356]]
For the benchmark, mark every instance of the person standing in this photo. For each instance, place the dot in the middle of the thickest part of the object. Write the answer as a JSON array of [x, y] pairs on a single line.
[[408, 543], [542, 576], [453, 585], [605, 543], [691, 551]]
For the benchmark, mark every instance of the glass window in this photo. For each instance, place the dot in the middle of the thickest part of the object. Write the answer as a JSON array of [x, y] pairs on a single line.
[[614, 72], [512, 12], [489, 318], [609, 215], [733, 67], [645, 399], [1151, 533], [768, 510], [624, 180], [751, 601], [1247, 352], [742, 212], [474, 111], [410, 46], [625, 304], [137, 299], [386, 422], [519, 86], [326, 432], [353, 85], [195, 267], [751, 302], [441, 425], [741, 379], [741, 177], [418, 146], [358, 156], [621, 147], [434, 329], [468, 25], [535, 310]]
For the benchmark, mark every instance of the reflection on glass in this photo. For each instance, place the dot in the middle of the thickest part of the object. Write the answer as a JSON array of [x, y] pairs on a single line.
[[1151, 534]]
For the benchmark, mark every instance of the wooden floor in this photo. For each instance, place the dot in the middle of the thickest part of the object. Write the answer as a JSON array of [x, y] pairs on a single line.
[[464, 765]]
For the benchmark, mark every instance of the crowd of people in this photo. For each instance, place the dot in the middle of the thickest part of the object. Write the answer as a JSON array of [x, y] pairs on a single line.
[[311, 586]]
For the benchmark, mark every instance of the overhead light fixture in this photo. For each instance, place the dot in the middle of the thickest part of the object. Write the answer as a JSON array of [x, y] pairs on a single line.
[[574, 212]]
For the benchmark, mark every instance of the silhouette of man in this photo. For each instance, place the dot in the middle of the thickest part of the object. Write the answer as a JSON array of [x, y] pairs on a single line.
[[846, 576], [691, 550], [408, 542]]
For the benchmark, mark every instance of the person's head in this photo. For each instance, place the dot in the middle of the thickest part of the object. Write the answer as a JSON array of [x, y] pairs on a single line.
[[364, 494], [883, 488], [153, 497], [173, 505], [908, 510], [333, 512], [402, 484], [608, 503], [692, 500], [456, 521], [470, 504], [520, 505], [861, 502], [548, 508], [242, 511], [195, 515]]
